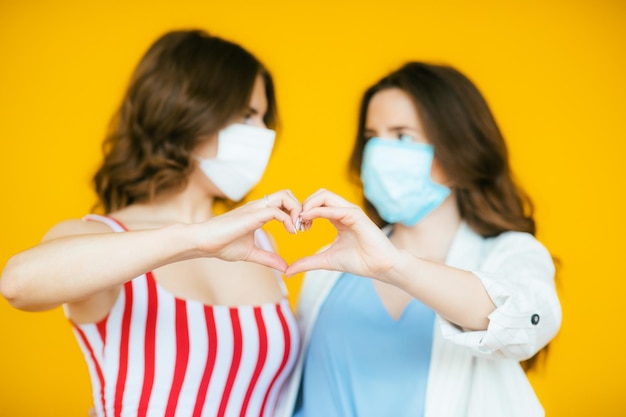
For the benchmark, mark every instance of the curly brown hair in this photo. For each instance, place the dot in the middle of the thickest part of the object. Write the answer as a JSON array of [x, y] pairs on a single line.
[[188, 85]]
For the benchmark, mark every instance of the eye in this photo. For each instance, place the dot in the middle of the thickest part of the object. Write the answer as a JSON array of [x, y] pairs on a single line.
[[247, 119], [251, 117], [406, 138], [368, 135]]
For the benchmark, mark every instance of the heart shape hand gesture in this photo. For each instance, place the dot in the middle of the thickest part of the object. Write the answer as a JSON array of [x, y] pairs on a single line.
[[360, 247]]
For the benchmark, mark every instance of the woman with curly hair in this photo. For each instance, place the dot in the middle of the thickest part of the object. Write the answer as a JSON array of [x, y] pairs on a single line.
[[178, 311]]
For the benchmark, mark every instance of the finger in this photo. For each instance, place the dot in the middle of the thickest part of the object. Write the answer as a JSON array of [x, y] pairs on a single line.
[[295, 214], [305, 225], [275, 213], [308, 263], [347, 216], [266, 258], [283, 199], [314, 196], [254, 217], [323, 198], [292, 194], [286, 201], [291, 205]]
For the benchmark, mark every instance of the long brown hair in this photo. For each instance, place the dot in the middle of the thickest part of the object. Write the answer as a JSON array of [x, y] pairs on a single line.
[[188, 85], [468, 145]]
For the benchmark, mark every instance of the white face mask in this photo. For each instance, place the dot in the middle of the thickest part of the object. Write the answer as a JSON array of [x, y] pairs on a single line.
[[243, 152]]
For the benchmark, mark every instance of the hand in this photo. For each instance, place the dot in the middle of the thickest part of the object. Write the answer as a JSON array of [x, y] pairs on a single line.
[[230, 236], [360, 247]]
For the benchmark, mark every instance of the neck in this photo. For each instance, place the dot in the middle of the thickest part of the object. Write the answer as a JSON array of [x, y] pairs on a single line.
[[191, 205], [432, 236]]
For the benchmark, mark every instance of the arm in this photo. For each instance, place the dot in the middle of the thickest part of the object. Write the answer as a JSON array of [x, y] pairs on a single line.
[[444, 289], [518, 274], [78, 260]]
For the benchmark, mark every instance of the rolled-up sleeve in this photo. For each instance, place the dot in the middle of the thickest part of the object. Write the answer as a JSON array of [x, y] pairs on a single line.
[[518, 274]]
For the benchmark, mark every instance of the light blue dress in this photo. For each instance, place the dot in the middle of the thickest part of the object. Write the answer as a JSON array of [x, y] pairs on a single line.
[[362, 362]]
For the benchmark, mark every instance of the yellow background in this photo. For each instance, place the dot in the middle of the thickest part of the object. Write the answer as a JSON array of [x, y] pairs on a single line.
[[553, 71]]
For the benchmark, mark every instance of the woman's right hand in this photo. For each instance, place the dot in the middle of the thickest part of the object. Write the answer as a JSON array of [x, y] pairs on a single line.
[[360, 247], [230, 236]]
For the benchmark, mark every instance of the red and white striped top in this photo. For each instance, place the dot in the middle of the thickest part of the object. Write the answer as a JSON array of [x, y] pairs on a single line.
[[159, 355]]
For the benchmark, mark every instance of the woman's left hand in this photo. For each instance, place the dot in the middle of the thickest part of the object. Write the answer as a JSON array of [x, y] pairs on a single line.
[[360, 247]]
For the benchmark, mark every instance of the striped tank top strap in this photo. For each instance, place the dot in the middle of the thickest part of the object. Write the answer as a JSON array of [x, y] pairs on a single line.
[[109, 221], [135, 322], [263, 241]]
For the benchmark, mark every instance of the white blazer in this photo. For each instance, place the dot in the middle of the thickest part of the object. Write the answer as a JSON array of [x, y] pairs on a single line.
[[472, 373]]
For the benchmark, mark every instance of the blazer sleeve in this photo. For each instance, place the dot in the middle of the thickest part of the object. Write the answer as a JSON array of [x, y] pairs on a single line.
[[519, 276]]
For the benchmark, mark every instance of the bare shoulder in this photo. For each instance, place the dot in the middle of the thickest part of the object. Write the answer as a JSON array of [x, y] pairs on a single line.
[[75, 227]]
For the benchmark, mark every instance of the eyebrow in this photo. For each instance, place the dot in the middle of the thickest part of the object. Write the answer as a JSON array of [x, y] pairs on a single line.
[[395, 129]]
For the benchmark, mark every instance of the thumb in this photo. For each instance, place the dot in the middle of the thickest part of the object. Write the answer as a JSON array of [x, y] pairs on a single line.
[[266, 258], [308, 263]]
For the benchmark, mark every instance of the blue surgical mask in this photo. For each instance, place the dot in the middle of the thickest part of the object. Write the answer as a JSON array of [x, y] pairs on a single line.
[[396, 180]]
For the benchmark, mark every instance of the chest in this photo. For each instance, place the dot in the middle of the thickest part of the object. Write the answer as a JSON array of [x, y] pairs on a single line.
[[376, 364], [215, 282]]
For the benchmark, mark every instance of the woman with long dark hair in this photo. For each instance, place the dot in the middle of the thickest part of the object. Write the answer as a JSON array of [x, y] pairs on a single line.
[[432, 315]]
